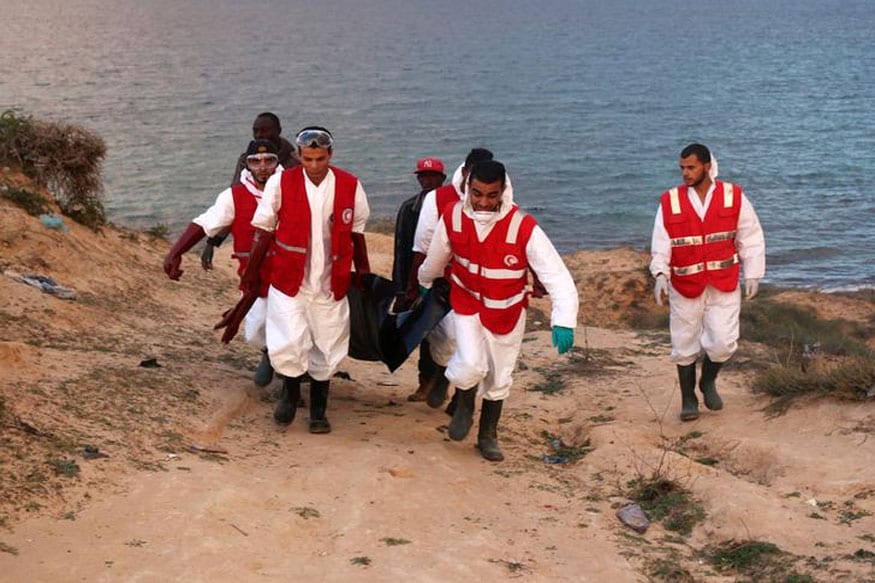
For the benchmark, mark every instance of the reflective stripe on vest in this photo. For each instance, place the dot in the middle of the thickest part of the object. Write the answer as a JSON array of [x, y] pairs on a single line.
[[728, 194], [491, 302], [290, 248], [724, 236], [489, 272], [710, 265], [686, 241]]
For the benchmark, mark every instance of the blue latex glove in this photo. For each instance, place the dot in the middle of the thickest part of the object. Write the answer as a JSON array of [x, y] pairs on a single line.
[[563, 338]]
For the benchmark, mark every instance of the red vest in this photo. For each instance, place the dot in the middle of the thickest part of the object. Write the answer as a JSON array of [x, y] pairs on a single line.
[[703, 252], [243, 232], [445, 196], [292, 242], [489, 278]]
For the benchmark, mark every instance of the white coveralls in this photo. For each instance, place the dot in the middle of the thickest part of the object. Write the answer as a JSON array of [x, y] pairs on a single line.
[[310, 331], [483, 358], [215, 220], [442, 339], [710, 321]]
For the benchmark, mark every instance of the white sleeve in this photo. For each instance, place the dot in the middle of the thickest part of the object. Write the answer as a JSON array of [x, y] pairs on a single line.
[[750, 241], [660, 247], [425, 226], [437, 257], [265, 217], [361, 211], [218, 216], [551, 270]]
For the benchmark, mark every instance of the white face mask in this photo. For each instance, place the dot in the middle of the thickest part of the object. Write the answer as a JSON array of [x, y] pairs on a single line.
[[484, 217]]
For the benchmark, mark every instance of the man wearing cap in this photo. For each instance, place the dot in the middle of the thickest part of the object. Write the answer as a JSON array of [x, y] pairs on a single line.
[[705, 229], [265, 127], [315, 214], [430, 175], [489, 244], [233, 210]]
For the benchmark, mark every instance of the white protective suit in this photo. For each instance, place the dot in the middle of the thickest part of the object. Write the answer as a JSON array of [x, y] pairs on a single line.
[[216, 219], [482, 358], [710, 321], [442, 338], [310, 331]]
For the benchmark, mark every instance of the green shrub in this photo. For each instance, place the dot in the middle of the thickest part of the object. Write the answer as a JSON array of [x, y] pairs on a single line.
[[65, 158], [851, 379], [32, 202]]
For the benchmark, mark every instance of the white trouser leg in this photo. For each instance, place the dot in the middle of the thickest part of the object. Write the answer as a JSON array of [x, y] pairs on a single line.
[[287, 333], [483, 358], [708, 322], [720, 334], [254, 322], [328, 321], [442, 340]]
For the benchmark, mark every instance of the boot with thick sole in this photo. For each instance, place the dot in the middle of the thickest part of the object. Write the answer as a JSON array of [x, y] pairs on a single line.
[[318, 403], [451, 407], [264, 370], [463, 416], [288, 403], [487, 436], [437, 393], [422, 391], [708, 384], [689, 401]]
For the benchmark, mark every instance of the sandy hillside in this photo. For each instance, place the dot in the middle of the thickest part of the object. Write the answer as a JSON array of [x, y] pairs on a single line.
[[386, 495]]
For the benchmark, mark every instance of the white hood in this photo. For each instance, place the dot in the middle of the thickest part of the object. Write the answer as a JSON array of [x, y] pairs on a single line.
[[507, 203]]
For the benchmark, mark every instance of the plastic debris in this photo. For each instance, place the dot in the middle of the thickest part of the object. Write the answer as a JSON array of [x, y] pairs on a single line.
[[53, 222], [48, 285], [633, 516]]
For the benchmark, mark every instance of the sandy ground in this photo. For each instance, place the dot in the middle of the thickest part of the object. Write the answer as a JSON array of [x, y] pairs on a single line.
[[386, 495]]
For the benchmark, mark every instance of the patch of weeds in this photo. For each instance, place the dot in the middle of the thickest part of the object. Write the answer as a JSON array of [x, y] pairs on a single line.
[[69, 516], [4, 548], [851, 512], [159, 231], [394, 542], [863, 555], [707, 461], [867, 537], [670, 569], [306, 512], [32, 202], [851, 379], [752, 559], [601, 418], [816, 516], [363, 561], [32, 506], [136, 542], [666, 501], [794, 494], [551, 385], [563, 453], [64, 467], [512, 566]]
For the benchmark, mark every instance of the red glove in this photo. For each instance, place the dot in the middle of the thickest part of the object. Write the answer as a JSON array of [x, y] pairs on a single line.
[[359, 258], [250, 281], [189, 238], [232, 318]]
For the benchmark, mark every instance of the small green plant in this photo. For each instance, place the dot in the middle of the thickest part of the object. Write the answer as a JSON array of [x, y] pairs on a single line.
[[670, 569], [363, 561], [4, 548], [394, 542], [32, 202], [159, 231], [306, 512], [563, 453], [136, 542], [666, 501], [64, 467], [754, 560], [552, 384]]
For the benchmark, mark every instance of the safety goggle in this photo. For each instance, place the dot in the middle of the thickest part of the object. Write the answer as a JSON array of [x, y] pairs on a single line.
[[262, 160], [314, 139]]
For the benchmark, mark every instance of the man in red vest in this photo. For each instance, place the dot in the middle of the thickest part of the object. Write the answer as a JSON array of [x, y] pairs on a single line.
[[315, 215], [490, 244], [441, 341], [705, 229], [233, 211]]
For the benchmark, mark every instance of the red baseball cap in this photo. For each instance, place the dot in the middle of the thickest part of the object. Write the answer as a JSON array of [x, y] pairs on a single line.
[[430, 165]]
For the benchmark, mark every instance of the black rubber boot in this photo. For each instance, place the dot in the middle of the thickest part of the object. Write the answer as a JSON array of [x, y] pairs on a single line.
[[264, 370], [318, 403], [437, 395], [708, 385], [487, 437], [463, 416], [451, 408], [288, 403], [689, 402]]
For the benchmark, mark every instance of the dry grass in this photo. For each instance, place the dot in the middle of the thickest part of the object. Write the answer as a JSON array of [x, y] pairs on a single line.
[[65, 158]]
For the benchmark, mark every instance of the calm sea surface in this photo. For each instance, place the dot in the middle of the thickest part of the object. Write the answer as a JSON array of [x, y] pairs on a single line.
[[588, 103]]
